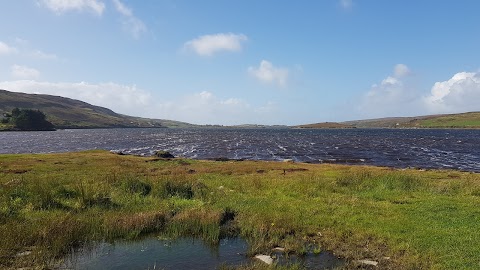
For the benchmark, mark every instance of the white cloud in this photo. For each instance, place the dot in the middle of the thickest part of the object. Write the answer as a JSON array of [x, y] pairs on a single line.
[[131, 23], [200, 108], [122, 9], [6, 49], [268, 73], [24, 48], [395, 95], [401, 70], [208, 45], [23, 72], [461, 93], [43, 55], [61, 6], [121, 98], [206, 108], [346, 4]]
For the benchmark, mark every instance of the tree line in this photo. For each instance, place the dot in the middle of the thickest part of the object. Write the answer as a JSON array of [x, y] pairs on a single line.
[[27, 119]]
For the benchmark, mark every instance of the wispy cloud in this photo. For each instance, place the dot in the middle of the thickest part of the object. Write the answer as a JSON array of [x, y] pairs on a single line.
[[62, 6], [401, 70], [43, 55], [208, 45], [268, 73], [24, 72], [395, 95], [207, 108], [346, 4], [121, 98], [23, 48], [200, 107], [7, 49], [131, 23]]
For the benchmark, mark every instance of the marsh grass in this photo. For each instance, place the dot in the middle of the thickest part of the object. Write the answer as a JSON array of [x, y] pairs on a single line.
[[51, 204]]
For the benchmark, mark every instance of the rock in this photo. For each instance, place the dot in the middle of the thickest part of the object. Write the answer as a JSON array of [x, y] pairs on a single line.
[[280, 249], [368, 262], [288, 160], [22, 254], [264, 258], [163, 154]]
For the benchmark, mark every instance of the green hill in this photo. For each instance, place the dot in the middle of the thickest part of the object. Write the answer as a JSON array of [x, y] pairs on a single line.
[[325, 125], [70, 113], [459, 120]]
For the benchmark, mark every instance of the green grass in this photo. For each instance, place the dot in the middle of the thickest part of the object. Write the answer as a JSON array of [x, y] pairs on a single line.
[[464, 120], [52, 203]]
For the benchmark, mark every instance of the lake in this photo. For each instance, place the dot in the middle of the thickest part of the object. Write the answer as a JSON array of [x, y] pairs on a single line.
[[402, 148]]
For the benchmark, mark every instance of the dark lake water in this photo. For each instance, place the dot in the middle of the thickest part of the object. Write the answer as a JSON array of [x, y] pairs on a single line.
[[421, 148]]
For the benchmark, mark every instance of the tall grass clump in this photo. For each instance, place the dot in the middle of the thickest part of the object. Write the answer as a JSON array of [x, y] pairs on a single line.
[[132, 225], [392, 181], [353, 180], [202, 222], [182, 188], [134, 185], [91, 195], [171, 188]]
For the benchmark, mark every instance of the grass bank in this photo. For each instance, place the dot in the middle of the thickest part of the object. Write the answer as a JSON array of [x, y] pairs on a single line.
[[404, 219]]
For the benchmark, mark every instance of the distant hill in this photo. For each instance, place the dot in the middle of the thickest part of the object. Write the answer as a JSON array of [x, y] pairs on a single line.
[[326, 125], [70, 113], [459, 120]]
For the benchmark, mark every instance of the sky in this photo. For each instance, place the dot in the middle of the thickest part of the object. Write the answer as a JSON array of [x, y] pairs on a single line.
[[247, 61]]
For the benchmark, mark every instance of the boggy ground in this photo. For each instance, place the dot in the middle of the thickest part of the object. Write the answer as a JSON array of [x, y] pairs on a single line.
[[403, 219]]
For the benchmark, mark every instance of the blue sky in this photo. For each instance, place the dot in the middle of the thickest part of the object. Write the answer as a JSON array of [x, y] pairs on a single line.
[[236, 62]]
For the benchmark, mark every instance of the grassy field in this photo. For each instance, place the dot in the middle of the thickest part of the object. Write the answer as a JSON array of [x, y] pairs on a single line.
[[404, 219], [462, 120], [459, 120]]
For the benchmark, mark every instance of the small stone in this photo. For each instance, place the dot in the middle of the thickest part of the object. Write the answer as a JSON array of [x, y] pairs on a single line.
[[22, 254], [264, 258], [288, 160], [368, 262], [279, 249]]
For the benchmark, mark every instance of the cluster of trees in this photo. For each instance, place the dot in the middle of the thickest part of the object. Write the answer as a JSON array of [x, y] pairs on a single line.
[[27, 119]]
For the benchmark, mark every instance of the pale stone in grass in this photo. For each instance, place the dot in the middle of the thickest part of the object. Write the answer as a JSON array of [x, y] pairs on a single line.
[[368, 262], [264, 258]]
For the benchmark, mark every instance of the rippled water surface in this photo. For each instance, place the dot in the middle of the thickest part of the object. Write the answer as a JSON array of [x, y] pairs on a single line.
[[183, 253], [422, 148], [152, 253]]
